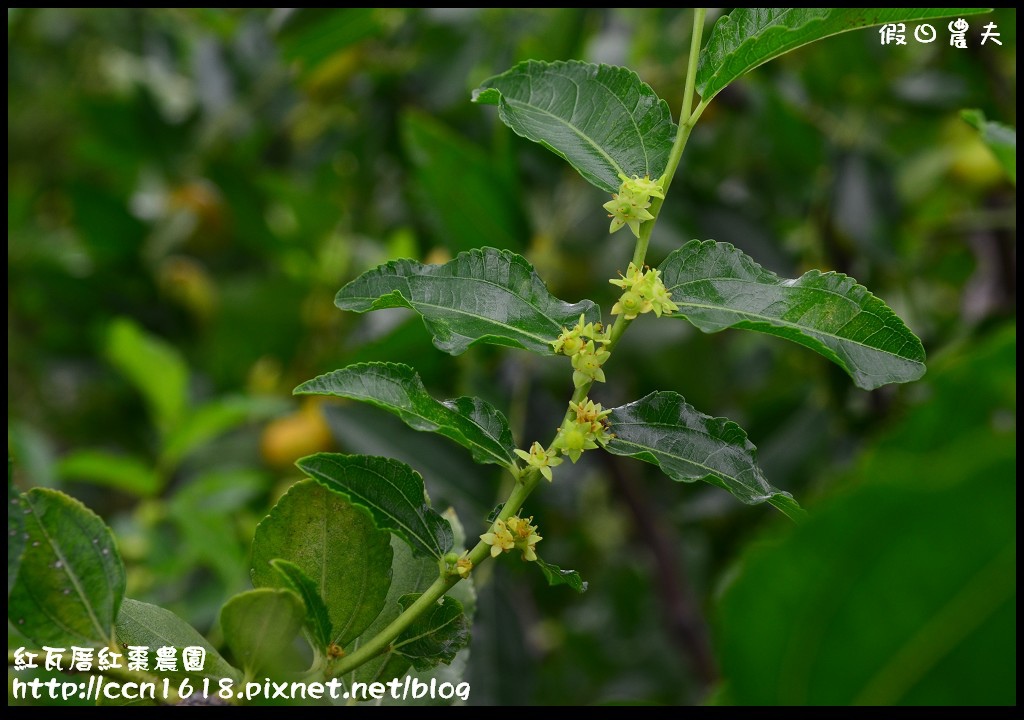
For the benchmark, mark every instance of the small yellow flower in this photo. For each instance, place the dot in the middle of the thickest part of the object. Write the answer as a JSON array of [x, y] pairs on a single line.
[[587, 364], [634, 276], [573, 439], [463, 566], [539, 458], [572, 341], [661, 299], [625, 210], [630, 205], [643, 291], [500, 539], [642, 188], [526, 537], [587, 411]]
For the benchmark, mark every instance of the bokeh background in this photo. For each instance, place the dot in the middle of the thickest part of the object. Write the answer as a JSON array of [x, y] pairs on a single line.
[[187, 189]]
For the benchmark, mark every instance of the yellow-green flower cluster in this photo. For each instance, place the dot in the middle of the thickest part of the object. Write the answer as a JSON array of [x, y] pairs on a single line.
[[630, 205], [585, 429], [643, 291], [584, 344], [514, 533], [540, 458]]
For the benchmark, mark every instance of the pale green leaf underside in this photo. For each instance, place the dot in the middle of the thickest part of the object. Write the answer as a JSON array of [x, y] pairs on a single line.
[[664, 430], [334, 544], [603, 120], [434, 637], [393, 493], [481, 296], [259, 627], [71, 580], [409, 574], [1001, 140], [318, 620], [748, 37], [146, 625], [716, 287], [470, 422]]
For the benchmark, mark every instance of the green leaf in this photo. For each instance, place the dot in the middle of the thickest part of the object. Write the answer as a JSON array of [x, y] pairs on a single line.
[[436, 636], [393, 493], [748, 37], [716, 287], [409, 574], [155, 368], [461, 189], [259, 627], [482, 296], [318, 621], [216, 418], [900, 588], [604, 120], [557, 576], [663, 429], [71, 581], [1001, 140], [100, 467], [334, 543], [471, 422], [140, 623]]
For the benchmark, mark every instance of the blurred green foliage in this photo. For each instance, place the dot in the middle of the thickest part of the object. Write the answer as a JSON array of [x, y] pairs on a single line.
[[187, 189]]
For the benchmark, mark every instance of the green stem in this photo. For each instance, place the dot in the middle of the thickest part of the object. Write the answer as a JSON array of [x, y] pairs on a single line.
[[528, 479], [687, 114], [381, 643]]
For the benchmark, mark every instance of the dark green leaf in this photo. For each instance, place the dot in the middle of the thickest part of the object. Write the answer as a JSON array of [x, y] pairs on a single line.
[[557, 576], [716, 287], [393, 493], [687, 445], [123, 472], [259, 627], [1001, 140], [436, 636], [71, 581], [336, 545], [748, 37], [471, 422], [461, 189], [318, 621], [155, 368], [363, 430], [140, 623], [482, 296], [604, 120]]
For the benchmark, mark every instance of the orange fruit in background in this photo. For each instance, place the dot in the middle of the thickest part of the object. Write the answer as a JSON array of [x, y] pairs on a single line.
[[293, 436]]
